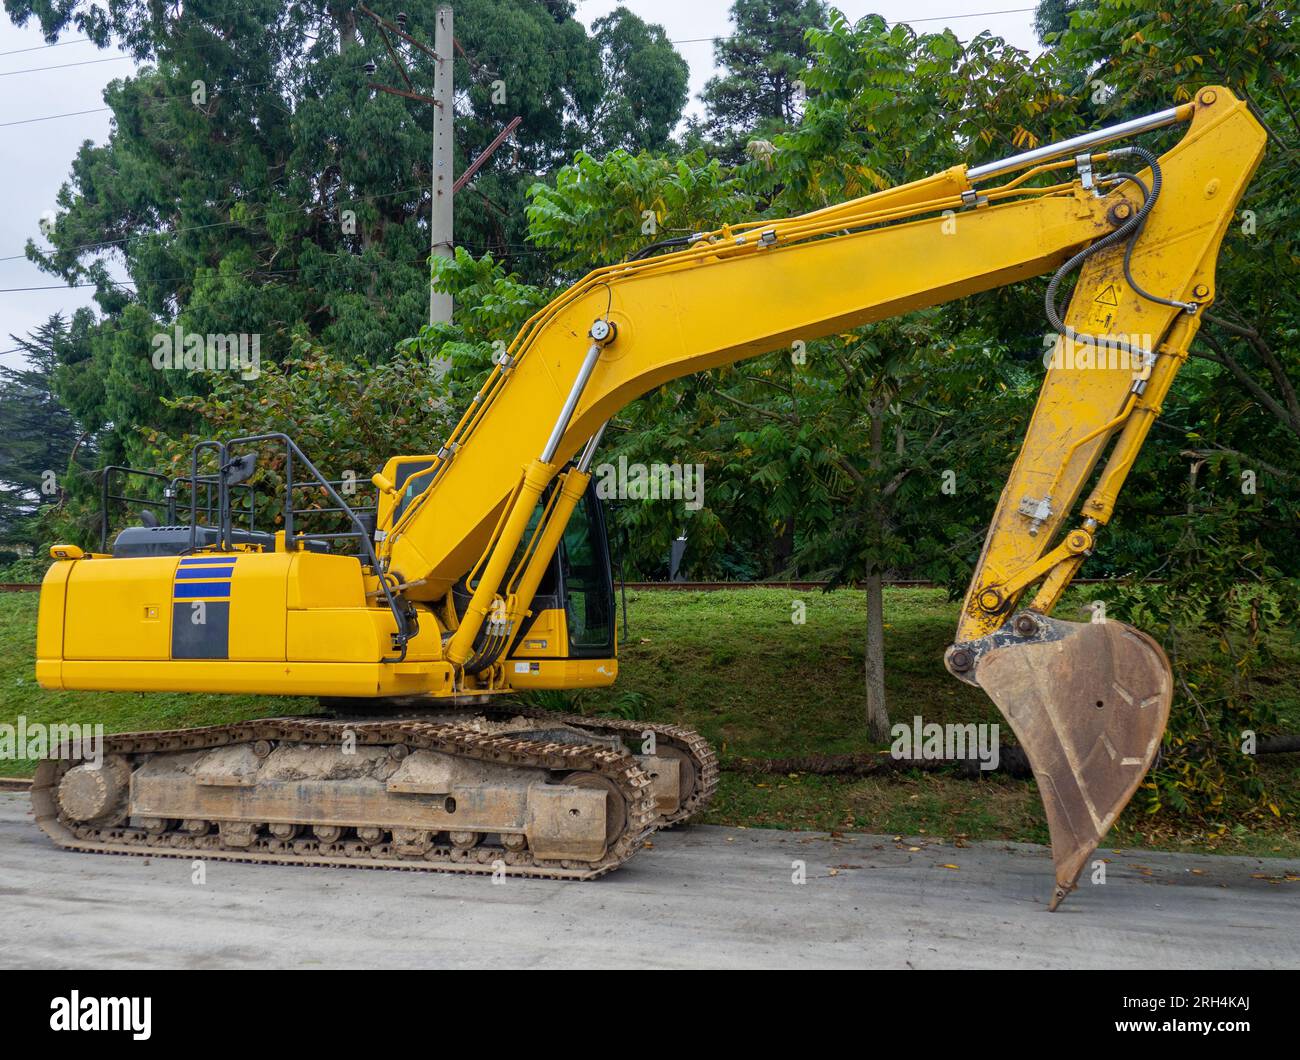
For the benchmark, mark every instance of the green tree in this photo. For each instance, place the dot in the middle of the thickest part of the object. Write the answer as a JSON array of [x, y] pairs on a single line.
[[346, 414], [600, 210], [643, 85], [765, 58], [1053, 17], [254, 184], [897, 403], [41, 442]]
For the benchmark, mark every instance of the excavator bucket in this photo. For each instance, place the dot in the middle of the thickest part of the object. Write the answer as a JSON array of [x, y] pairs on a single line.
[[1088, 702]]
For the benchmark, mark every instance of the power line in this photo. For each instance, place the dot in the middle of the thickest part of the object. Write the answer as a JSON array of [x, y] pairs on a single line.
[[42, 47], [148, 100], [245, 222], [52, 287], [901, 21], [51, 117], [64, 66]]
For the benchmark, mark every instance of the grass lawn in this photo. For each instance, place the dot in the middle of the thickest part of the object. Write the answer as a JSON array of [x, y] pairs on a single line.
[[733, 665]]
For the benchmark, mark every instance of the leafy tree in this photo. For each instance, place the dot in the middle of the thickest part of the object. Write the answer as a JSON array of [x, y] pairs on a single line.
[[41, 442], [897, 403], [494, 305], [346, 414], [1053, 17], [765, 58], [601, 210], [255, 184], [643, 85], [1222, 609]]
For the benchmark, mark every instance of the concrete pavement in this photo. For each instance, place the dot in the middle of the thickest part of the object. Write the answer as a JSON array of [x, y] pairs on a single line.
[[700, 897]]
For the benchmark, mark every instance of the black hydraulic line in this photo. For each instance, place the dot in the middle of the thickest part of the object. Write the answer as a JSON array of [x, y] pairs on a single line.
[[675, 241], [1130, 230], [1128, 257]]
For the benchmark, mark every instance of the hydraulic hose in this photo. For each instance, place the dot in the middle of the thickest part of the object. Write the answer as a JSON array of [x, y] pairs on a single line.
[[1130, 231], [663, 244]]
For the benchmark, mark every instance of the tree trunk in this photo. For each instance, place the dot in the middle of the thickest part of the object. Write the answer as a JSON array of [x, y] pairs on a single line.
[[782, 547], [877, 711]]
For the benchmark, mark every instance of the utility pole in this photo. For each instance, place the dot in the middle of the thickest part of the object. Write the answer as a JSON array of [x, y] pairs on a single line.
[[443, 183], [441, 237]]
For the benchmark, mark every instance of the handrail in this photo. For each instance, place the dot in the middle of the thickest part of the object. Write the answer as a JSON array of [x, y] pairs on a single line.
[[194, 491], [403, 634], [207, 481], [105, 496]]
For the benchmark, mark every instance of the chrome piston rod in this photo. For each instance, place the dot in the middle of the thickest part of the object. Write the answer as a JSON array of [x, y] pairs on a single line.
[[1078, 144], [589, 451], [571, 402]]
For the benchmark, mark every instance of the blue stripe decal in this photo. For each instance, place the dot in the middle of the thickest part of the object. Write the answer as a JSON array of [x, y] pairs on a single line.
[[194, 561], [194, 590], [205, 572]]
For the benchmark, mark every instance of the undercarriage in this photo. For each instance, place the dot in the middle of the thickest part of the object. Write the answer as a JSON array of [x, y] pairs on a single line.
[[505, 791]]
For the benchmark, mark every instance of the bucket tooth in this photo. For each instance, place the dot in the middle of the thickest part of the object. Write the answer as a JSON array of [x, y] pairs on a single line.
[[1088, 702]]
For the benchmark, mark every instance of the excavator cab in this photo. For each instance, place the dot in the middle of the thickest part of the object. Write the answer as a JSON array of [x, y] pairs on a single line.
[[576, 594], [566, 638]]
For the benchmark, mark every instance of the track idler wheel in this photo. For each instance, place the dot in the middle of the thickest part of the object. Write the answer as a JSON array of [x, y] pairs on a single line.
[[96, 794], [1088, 702]]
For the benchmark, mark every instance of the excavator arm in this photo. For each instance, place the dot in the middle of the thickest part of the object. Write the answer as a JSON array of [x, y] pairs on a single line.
[[1145, 271], [1089, 703]]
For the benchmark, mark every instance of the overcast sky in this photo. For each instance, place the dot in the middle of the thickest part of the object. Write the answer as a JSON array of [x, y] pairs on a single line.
[[35, 156], [692, 24]]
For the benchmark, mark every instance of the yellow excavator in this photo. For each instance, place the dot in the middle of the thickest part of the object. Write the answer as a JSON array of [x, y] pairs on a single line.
[[484, 569]]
